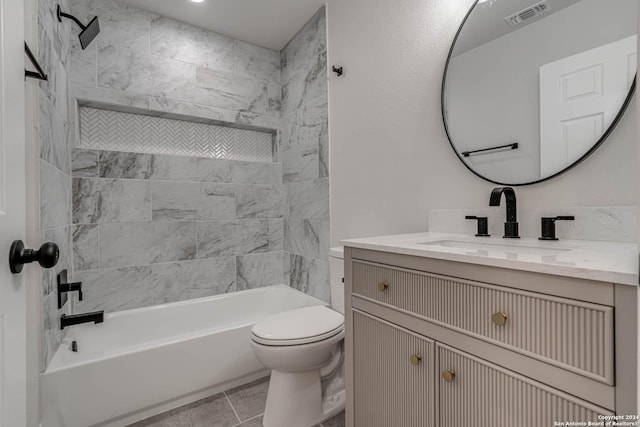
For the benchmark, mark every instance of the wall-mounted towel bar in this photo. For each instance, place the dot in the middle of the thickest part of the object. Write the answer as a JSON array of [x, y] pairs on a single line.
[[513, 146], [40, 75]]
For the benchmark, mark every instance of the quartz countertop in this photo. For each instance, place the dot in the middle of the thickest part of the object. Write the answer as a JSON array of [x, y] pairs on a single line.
[[611, 262]]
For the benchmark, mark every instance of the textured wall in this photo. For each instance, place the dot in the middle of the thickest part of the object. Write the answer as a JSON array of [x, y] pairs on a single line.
[[305, 152], [390, 159]]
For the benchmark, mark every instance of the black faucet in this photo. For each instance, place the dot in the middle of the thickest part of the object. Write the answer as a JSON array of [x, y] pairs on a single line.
[[76, 319], [511, 226]]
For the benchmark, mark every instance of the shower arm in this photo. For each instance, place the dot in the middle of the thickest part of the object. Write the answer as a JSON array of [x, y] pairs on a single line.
[[66, 15]]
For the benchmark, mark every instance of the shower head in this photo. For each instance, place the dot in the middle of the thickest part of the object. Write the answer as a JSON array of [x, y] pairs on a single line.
[[88, 33]]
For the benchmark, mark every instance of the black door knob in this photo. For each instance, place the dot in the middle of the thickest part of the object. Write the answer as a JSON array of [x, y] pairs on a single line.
[[47, 256]]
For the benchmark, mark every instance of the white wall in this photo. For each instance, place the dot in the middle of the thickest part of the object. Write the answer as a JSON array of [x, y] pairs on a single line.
[[390, 158], [501, 79]]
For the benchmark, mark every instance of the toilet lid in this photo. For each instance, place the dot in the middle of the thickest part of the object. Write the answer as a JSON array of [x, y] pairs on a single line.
[[300, 326]]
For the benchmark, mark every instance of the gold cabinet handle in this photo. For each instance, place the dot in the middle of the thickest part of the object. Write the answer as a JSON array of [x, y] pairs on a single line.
[[499, 319], [415, 359], [448, 376], [383, 286]]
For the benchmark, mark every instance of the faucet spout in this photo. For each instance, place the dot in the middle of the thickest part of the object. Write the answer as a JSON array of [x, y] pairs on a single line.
[[511, 225], [76, 319]]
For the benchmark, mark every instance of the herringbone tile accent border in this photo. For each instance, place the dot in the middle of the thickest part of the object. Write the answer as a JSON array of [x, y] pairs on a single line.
[[136, 133]]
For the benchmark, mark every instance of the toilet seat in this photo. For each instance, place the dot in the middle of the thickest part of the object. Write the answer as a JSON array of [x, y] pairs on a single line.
[[298, 327]]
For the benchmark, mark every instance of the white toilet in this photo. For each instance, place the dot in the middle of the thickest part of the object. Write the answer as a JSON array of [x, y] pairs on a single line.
[[303, 349]]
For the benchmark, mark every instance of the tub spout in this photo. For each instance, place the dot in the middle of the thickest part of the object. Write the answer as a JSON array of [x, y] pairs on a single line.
[[76, 319]]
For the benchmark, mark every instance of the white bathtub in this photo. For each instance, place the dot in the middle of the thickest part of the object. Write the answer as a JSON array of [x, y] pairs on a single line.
[[144, 361]]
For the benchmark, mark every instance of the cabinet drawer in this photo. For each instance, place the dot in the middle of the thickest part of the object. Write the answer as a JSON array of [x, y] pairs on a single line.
[[473, 392], [574, 335], [393, 372]]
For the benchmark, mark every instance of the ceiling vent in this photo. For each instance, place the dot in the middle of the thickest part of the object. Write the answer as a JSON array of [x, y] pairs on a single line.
[[524, 15]]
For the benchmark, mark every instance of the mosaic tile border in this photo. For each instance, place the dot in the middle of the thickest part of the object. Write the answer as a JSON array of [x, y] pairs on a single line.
[[138, 133]]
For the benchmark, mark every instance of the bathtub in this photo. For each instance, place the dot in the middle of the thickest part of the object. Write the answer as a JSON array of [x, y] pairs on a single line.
[[144, 361]]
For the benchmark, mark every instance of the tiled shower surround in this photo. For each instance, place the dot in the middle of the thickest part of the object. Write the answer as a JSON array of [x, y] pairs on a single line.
[[305, 153], [150, 229], [144, 229], [55, 161]]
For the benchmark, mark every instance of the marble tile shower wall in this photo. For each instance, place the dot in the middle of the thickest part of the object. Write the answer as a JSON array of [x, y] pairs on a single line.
[[147, 61], [151, 229], [55, 161], [139, 61], [305, 157]]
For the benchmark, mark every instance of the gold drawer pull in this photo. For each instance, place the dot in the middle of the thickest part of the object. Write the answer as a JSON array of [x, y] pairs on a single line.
[[415, 359], [499, 319], [382, 286], [448, 376]]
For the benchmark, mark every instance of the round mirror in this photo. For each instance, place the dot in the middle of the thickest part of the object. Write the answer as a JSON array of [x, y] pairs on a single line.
[[533, 87]]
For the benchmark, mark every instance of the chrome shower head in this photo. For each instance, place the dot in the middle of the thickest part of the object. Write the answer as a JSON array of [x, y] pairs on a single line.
[[88, 32]]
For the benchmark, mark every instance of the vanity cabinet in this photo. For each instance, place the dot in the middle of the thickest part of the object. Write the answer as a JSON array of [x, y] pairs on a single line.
[[442, 343], [395, 382], [474, 392]]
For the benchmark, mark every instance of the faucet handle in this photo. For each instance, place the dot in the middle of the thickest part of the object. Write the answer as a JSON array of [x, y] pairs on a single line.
[[65, 287], [549, 226], [483, 226]]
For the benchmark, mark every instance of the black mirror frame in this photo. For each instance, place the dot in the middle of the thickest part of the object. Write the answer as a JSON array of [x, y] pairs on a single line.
[[602, 139]]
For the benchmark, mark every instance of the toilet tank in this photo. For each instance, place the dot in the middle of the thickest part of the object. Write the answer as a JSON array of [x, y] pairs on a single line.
[[336, 271]]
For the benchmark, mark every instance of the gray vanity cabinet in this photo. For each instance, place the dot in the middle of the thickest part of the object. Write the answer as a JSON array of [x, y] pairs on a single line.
[[395, 381], [474, 392], [442, 343]]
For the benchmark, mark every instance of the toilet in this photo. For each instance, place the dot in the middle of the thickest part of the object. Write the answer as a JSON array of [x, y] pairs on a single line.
[[304, 350]]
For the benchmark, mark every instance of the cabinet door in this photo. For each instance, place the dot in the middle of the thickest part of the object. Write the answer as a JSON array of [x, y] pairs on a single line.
[[393, 375], [473, 392]]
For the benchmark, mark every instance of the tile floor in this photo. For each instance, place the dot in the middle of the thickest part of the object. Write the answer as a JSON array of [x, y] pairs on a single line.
[[239, 407]]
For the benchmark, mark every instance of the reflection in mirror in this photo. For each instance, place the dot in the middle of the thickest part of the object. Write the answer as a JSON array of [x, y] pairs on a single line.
[[551, 76]]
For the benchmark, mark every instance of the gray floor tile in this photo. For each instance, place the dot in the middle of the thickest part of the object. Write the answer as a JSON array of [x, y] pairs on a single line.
[[175, 418], [257, 422], [253, 422], [249, 400], [213, 412], [335, 421]]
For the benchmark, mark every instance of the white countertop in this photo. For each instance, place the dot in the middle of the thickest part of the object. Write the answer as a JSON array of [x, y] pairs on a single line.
[[611, 262]]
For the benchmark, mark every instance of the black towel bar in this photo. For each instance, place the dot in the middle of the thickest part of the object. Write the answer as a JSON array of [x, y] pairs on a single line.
[[513, 146], [40, 75]]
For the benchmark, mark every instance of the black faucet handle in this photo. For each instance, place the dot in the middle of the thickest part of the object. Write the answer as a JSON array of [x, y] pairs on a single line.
[[65, 287], [549, 226], [483, 225]]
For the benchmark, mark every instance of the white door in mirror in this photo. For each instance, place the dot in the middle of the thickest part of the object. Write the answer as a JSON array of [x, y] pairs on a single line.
[[579, 96]]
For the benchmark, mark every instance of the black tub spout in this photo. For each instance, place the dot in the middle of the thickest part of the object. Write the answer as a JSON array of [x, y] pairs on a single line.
[[76, 319]]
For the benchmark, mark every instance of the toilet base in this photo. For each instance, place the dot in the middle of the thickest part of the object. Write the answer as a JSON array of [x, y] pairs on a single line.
[[293, 400]]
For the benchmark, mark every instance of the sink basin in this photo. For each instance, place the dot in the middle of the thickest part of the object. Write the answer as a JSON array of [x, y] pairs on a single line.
[[497, 247]]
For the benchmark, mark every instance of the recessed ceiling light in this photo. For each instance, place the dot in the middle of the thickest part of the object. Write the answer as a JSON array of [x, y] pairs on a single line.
[[197, 1]]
